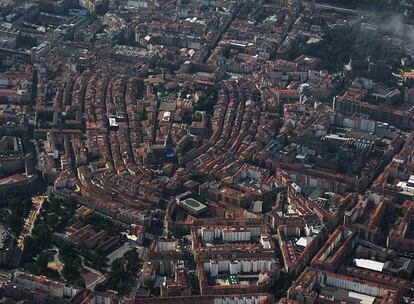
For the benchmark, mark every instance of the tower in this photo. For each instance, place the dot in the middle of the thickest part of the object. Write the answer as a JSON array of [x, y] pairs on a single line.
[[281, 107], [28, 164], [169, 147]]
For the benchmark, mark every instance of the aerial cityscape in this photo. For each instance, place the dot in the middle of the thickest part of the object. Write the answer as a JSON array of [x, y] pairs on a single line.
[[207, 151]]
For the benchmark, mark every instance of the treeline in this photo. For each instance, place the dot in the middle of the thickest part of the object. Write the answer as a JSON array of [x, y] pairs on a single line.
[[122, 274], [13, 212], [340, 45], [53, 217]]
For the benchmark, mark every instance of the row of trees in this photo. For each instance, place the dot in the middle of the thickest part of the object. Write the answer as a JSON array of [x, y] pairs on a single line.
[[73, 265], [13, 212], [122, 274], [53, 217], [100, 223], [39, 266], [342, 44]]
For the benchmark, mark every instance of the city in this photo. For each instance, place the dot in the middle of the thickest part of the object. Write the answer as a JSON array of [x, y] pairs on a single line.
[[206, 151]]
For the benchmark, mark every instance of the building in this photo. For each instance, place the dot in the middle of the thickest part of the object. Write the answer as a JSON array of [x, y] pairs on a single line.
[[339, 288], [38, 289], [336, 250], [255, 298], [94, 6], [6, 246]]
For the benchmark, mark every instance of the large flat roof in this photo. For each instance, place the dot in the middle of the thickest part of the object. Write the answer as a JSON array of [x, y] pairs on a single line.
[[192, 205], [369, 264]]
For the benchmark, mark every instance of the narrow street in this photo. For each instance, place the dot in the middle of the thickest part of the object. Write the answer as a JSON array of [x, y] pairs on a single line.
[[30, 220]]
